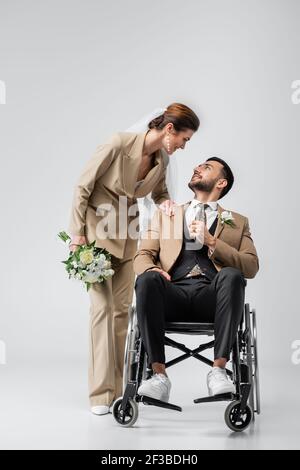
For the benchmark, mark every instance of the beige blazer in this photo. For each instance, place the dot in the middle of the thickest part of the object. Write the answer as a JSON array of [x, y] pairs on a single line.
[[162, 243], [110, 173]]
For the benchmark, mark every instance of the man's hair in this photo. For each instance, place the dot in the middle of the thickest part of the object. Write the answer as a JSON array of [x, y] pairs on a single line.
[[227, 174]]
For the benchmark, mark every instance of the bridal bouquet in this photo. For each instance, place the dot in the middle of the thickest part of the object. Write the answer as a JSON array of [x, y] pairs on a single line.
[[88, 263]]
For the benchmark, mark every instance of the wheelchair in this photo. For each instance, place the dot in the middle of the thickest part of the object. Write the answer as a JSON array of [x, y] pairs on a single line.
[[244, 374]]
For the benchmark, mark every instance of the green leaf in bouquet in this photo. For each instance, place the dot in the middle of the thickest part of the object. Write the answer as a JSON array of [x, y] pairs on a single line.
[[64, 236]]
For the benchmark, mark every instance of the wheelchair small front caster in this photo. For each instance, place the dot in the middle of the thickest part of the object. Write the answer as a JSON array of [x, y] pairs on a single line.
[[236, 420], [126, 417]]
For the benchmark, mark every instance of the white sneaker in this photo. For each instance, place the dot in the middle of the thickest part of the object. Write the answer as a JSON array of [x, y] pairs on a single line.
[[100, 410], [218, 382], [157, 387]]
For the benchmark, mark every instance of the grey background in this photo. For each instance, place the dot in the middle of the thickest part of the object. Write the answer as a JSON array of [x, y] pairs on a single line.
[[78, 71]]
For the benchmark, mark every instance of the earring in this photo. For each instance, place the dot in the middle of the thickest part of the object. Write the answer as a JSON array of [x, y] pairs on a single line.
[[168, 143]]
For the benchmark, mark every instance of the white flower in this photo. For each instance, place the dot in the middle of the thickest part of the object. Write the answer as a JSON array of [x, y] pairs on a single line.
[[101, 261], [108, 272], [86, 257], [226, 217]]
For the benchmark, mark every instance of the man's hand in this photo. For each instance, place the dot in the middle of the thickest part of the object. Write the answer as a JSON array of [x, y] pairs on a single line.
[[76, 241], [162, 272], [196, 229], [209, 239], [168, 207], [200, 231]]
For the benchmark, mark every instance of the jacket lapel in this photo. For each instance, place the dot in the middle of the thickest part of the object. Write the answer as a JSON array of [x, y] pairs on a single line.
[[131, 163], [176, 222], [219, 225], [152, 177]]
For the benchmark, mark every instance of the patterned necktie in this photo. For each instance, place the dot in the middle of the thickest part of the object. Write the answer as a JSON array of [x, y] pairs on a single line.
[[199, 215], [200, 212]]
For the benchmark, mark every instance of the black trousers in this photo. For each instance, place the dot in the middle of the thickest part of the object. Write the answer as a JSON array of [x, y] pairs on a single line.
[[220, 301]]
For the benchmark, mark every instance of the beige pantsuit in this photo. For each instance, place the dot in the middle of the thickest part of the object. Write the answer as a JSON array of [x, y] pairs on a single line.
[[108, 328], [109, 175]]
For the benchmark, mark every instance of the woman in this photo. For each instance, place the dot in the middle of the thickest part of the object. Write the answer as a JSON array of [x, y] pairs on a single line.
[[129, 166]]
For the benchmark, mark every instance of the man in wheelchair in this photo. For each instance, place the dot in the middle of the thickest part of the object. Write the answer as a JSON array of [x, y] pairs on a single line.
[[192, 267]]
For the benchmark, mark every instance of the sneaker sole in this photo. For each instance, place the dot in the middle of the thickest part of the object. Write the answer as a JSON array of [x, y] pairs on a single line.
[[219, 391], [153, 395]]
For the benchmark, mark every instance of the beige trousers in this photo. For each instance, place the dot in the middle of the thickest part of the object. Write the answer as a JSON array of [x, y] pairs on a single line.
[[110, 302]]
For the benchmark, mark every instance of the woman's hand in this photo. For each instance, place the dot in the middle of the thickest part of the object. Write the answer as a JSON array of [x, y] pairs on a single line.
[[76, 241], [168, 207]]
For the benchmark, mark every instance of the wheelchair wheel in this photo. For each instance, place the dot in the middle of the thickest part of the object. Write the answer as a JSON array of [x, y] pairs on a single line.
[[127, 417], [252, 358], [256, 391], [236, 420], [130, 350]]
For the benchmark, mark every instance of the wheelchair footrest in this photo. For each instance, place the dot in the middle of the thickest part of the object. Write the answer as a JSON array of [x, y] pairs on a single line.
[[162, 404], [220, 397]]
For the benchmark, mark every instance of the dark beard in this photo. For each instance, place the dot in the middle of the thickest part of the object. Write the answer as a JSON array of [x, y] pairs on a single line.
[[206, 186]]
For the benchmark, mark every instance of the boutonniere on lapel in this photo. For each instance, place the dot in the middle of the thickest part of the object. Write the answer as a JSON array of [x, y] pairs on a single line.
[[226, 217]]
